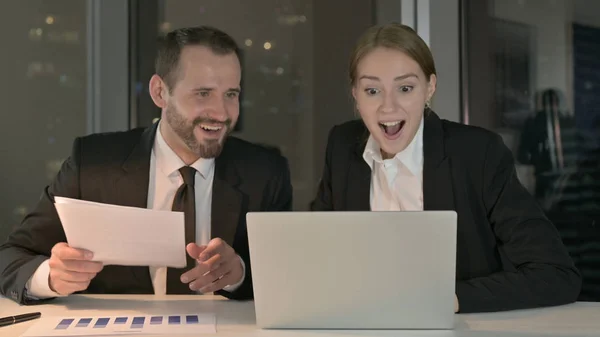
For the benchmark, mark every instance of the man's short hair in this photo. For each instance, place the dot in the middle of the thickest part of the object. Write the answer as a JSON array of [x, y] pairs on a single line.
[[171, 45]]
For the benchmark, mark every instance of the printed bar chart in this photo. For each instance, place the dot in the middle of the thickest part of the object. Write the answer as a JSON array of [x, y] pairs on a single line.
[[124, 325]]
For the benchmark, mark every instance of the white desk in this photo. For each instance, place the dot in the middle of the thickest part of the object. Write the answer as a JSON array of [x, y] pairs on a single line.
[[237, 318]]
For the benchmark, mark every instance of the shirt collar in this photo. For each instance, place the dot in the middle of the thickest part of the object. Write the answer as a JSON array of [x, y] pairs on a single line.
[[169, 162], [411, 156]]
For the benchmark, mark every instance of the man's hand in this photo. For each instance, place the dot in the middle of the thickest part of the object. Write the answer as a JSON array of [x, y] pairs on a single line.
[[71, 269], [218, 266]]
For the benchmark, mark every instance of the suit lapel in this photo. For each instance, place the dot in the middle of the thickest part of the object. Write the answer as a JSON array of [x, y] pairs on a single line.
[[359, 179], [437, 178], [133, 183], [227, 200]]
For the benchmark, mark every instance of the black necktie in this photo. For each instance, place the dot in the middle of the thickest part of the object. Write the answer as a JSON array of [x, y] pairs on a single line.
[[185, 201]]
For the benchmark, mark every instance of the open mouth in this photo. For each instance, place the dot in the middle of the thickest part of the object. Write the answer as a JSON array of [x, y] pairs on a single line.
[[392, 129], [211, 128]]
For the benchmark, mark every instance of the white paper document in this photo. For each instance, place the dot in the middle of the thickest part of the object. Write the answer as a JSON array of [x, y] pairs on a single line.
[[120, 235], [163, 325]]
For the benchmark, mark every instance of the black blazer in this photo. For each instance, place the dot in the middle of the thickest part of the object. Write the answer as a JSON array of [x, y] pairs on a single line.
[[509, 255], [114, 168]]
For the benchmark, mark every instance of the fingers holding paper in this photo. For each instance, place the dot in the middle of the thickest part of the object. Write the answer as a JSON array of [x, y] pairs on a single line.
[[71, 269], [218, 266]]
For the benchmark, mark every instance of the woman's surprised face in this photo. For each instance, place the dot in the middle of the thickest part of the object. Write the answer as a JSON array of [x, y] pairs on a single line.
[[391, 91]]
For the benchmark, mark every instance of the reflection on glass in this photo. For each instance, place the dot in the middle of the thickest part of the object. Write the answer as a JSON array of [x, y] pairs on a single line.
[[44, 98], [546, 61]]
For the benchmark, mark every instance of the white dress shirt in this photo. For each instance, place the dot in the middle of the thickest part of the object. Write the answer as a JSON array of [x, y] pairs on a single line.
[[164, 180], [396, 183]]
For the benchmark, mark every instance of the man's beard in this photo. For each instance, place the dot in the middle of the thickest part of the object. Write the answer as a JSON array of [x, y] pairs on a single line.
[[211, 148]]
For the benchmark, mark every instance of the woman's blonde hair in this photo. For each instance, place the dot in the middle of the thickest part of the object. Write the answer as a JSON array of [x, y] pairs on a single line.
[[393, 36]]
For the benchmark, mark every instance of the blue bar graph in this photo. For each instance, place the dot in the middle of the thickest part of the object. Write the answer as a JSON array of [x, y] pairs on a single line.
[[138, 322], [132, 324], [84, 322], [101, 323], [174, 320], [64, 324]]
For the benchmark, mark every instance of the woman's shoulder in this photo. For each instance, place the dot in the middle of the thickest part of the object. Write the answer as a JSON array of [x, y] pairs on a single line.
[[460, 130], [351, 128], [351, 132], [471, 137]]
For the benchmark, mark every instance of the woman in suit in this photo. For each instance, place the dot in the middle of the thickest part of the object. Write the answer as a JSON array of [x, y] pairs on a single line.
[[401, 156]]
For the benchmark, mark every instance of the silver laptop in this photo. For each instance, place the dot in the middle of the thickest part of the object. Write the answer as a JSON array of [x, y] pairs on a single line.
[[353, 270]]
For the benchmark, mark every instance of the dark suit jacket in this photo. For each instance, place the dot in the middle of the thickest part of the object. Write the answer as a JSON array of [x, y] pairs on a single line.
[[509, 255], [114, 168]]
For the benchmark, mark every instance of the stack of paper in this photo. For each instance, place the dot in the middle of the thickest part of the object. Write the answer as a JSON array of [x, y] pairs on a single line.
[[126, 236]]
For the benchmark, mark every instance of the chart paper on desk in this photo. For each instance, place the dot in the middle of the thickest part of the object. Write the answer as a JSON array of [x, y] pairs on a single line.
[[126, 236], [164, 325]]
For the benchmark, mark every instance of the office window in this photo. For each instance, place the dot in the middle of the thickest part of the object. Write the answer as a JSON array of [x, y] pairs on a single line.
[[533, 70], [43, 65]]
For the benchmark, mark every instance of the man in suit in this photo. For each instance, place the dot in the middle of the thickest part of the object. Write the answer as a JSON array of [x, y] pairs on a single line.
[[185, 162]]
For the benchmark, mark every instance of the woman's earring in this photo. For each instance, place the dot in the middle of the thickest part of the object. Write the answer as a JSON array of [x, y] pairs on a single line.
[[428, 104]]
